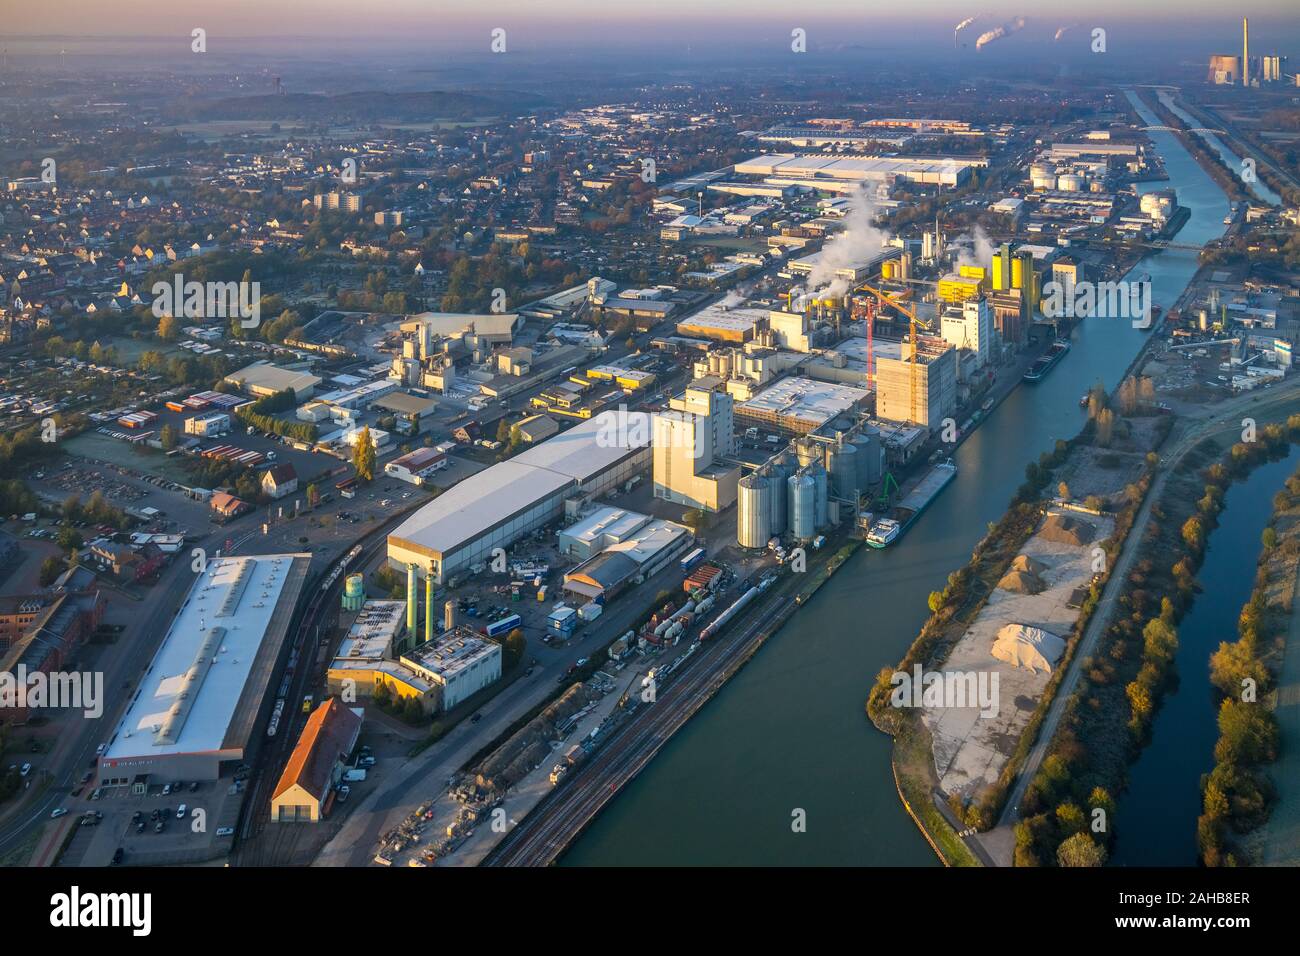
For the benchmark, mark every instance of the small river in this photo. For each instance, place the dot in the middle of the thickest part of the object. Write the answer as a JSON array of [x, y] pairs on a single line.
[[1155, 819], [789, 732]]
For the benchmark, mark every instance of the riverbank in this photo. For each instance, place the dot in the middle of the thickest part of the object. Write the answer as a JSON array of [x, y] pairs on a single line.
[[1108, 467], [1251, 811]]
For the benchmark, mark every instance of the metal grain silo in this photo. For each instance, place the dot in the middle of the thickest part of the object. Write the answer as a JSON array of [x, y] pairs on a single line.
[[871, 458], [778, 471], [821, 491], [842, 464], [754, 511], [807, 451], [803, 506]]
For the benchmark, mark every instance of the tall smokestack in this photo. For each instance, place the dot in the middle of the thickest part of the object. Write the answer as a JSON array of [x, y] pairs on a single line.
[[412, 600], [428, 608], [1245, 51]]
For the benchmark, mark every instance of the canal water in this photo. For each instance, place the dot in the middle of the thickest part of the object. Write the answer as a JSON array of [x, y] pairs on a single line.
[[1155, 819], [1258, 189], [789, 732]]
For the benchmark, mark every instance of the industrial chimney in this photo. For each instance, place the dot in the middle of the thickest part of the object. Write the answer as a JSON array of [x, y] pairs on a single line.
[[412, 600], [1245, 51], [428, 608]]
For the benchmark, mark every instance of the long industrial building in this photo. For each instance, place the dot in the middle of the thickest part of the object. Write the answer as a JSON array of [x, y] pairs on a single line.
[[513, 498], [827, 171], [206, 690]]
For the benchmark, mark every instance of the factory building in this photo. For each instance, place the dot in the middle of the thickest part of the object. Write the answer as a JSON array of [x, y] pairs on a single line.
[[936, 385], [968, 327], [690, 441], [457, 664], [796, 405], [206, 691], [416, 466], [208, 425], [618, 547], [515, 497], [719, 324], [847, 173]]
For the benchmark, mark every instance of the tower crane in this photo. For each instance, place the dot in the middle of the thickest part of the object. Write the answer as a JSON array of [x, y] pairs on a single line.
[[914, 325]]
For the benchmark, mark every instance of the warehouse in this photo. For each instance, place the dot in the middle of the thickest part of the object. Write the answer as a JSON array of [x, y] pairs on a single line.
[[317, 764], [720, 324], [824, 171], [206, 690], [262, 378], [415, 466], [501, 504]]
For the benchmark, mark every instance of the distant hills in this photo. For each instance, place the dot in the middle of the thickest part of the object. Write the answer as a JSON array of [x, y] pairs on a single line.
[[359, 106]]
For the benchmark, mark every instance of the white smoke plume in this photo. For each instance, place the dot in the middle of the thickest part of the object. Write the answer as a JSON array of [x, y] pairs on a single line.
[[961, 26], [997, 33], [1063, 31], [856, 244], [735, 297], [973, 249]]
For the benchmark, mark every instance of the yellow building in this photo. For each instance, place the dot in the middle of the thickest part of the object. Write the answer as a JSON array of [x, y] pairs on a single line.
[[956, 288]]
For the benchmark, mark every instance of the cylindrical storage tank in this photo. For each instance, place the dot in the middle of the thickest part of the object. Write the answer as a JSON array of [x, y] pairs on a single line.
[[871, 458], [778, 472], [842, 463], [821, 488], [449, 616], [803, 506], [354, 592], [1069, 183], [753, 512]]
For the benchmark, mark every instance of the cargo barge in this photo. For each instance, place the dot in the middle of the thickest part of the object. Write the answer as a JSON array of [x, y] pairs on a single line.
[[1044, 363], [887, 529]]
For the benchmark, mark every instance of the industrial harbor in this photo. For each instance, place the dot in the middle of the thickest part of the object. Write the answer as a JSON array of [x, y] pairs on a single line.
[[561, 445]]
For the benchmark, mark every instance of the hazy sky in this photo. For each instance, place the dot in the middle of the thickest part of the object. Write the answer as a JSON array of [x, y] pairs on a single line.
[[444, 19]]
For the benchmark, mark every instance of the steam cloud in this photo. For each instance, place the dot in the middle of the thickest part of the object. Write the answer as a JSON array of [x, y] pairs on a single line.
[[975, 249], [997, 33], [1062, 31], [858, 243]]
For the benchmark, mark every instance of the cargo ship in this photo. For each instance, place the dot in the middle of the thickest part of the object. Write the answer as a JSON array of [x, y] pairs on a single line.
[[1044, 363], [887, 529]]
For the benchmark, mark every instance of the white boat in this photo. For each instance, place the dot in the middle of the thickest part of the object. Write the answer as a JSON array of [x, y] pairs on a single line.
[[883, 532]]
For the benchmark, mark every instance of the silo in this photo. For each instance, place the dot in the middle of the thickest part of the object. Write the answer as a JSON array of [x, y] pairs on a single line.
[[803, 506], [354, 592], [842, 463], [449, 616], [807, 451], [821, 491], [753, 512], [778, 473], [871, 458]]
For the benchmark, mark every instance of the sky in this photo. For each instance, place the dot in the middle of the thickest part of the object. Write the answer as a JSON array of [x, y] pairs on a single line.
[[440, 21]]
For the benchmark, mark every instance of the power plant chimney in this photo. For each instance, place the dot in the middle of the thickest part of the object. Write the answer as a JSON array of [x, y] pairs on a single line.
[[412, 601], [449, 616], [1245, 51]]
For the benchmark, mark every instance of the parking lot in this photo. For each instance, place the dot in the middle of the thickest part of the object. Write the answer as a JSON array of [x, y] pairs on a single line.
[[165, 826]]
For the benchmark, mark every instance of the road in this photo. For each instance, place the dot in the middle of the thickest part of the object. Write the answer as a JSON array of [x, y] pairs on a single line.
[[1189, 432]]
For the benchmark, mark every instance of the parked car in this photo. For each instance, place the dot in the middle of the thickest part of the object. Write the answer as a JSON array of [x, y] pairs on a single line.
[[26, 769], [225, 831], [344, 791], [160, 826], [180, 812]]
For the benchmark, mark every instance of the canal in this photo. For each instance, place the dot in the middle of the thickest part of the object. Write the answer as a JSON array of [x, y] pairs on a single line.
[[1155, 819], [789, 732], [1257, 188]]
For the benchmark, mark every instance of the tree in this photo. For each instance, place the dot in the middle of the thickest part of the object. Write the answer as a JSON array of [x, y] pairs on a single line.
[[313, 496], [169, 437], [168, 328], [1080, 850], [512, 649], [1063, 490], [503, 431], [363, 455], [1268, 539], [51, 568]]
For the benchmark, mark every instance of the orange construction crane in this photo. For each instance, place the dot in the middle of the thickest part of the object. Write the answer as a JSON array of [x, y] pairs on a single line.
[[914, 325]]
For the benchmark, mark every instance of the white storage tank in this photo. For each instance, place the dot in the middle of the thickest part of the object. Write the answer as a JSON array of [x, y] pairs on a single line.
[[777, 472], [842, 463], [753, 512], [803, 506]]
